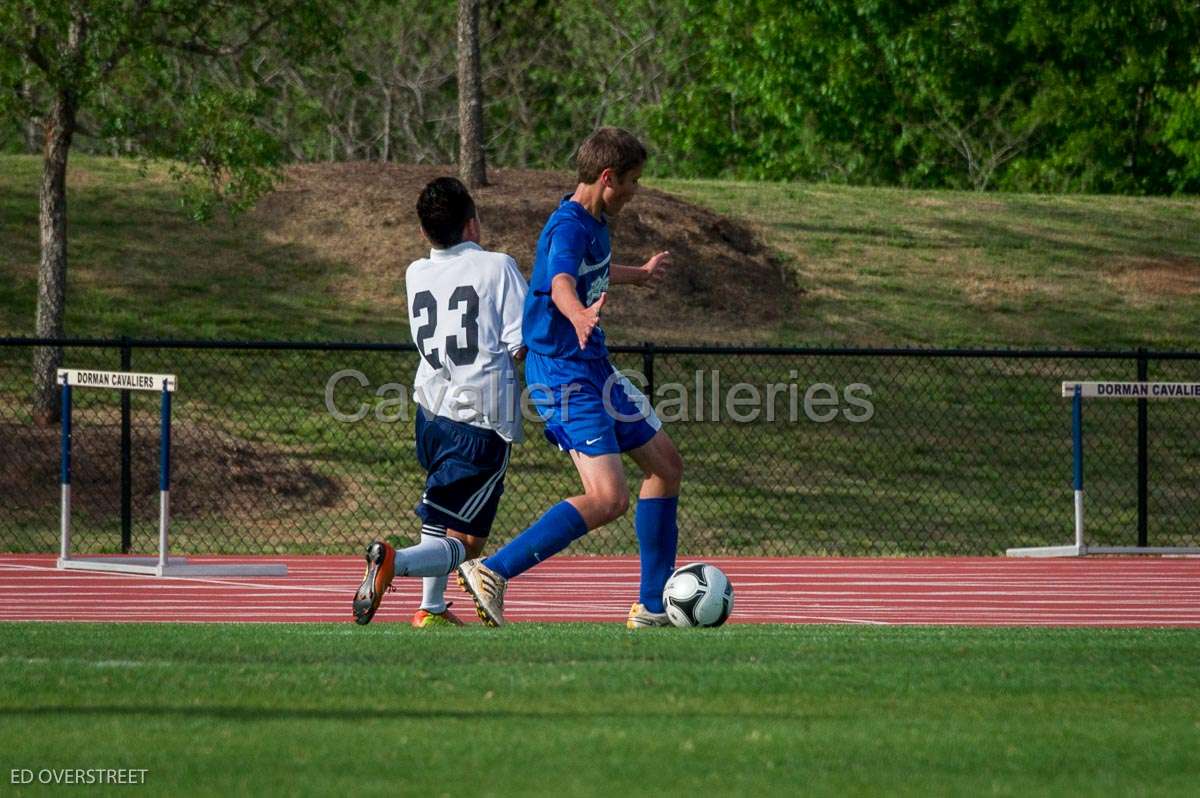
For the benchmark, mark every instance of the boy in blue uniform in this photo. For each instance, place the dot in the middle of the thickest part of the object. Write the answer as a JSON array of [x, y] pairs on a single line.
[[590, 410]]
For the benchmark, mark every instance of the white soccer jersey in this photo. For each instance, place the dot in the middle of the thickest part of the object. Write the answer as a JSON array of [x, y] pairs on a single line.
[[464, 309]]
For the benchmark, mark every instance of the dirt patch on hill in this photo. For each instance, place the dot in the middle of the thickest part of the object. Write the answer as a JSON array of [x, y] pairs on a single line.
[[213, 474], [724, 284], [1156, 277]]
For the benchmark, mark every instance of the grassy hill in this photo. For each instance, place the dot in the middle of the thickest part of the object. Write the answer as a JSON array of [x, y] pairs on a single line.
[[323, 258], [139, 266], [938, 268]]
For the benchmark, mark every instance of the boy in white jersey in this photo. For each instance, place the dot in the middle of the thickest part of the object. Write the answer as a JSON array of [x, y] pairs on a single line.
[[465, 308]]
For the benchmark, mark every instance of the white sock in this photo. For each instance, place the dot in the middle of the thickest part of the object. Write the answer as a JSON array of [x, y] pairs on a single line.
[[435, 555], [433, 593]]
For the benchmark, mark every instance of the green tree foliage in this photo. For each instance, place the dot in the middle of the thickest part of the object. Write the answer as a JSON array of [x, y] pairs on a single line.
[[866, 92], [104, 68], [141, 79], [551, 73], [1081, 95], [1181, 132], [1108, 77], [1024, 94]]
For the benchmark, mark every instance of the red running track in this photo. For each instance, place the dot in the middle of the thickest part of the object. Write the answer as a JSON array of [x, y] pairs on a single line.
[[972, 592]]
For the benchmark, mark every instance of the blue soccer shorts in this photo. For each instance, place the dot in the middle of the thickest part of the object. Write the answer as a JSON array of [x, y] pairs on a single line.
[[465, 467], [588, 405]]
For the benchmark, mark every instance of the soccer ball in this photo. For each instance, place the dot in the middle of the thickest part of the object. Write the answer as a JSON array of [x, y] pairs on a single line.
[[698, 595]]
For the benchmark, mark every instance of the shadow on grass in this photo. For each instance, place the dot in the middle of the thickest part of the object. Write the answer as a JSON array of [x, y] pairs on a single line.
[[1110, 232], [888, 234], [357, 714], [1023, 229], [1012, 237]]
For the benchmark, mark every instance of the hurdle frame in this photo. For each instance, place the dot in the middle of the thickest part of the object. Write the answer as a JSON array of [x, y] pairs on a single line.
[[163, 564], [1077, 391]]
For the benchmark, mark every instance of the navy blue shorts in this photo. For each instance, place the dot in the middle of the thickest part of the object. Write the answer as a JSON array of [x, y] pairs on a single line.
[[465, 467]]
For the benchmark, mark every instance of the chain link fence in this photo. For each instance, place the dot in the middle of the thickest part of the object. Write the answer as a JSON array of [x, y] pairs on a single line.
[[786, 451]]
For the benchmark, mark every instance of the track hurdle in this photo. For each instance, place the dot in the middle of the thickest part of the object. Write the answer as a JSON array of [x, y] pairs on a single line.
[[163, 564], [1077, 392]]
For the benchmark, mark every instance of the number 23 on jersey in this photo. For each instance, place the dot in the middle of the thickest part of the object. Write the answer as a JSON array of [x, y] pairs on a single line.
[[430, 340]]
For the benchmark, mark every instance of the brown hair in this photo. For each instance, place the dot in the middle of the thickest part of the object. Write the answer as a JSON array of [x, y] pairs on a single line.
[[608, 148]]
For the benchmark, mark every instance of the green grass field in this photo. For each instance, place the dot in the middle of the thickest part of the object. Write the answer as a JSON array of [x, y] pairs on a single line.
[[588, 709]]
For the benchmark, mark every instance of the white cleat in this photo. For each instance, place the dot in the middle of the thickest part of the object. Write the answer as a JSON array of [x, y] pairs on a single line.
[[486, 587]]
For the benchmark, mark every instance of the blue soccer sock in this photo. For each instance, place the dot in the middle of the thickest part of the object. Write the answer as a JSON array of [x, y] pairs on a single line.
[[658, 537], [549, 535]]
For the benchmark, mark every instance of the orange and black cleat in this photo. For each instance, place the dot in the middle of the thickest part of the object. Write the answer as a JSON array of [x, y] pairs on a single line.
[[381, 569]]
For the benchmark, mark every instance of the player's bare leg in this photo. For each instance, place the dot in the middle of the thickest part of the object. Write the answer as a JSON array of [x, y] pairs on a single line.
[[661, 465], [605, 493], [605, 498], [472, 543]]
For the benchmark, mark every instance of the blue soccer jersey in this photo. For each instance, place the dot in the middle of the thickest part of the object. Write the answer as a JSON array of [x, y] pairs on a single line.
[[576, 243]]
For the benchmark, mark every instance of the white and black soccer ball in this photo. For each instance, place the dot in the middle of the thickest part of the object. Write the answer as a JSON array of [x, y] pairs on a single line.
[[698, 594]]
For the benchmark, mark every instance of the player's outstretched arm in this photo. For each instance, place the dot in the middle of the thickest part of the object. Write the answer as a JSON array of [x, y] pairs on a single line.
[[650, 273], [583, 319]]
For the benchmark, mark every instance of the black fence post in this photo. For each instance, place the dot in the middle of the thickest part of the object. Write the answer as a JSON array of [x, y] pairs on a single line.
[[648, 369], [126, 456], [1143, 447]]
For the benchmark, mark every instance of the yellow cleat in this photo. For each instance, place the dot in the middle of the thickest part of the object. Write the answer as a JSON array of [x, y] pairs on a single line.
[[425, 619], [642, 618]]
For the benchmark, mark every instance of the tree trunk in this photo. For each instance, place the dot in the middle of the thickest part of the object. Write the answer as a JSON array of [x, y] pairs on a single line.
[[1136, 142], [27, 94], [29, 128], [52, 270], [471, 166], [387, 123], [350, 142]]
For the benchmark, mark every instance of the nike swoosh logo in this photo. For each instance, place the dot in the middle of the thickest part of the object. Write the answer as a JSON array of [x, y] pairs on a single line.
[[588, 268], [593, 440]]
